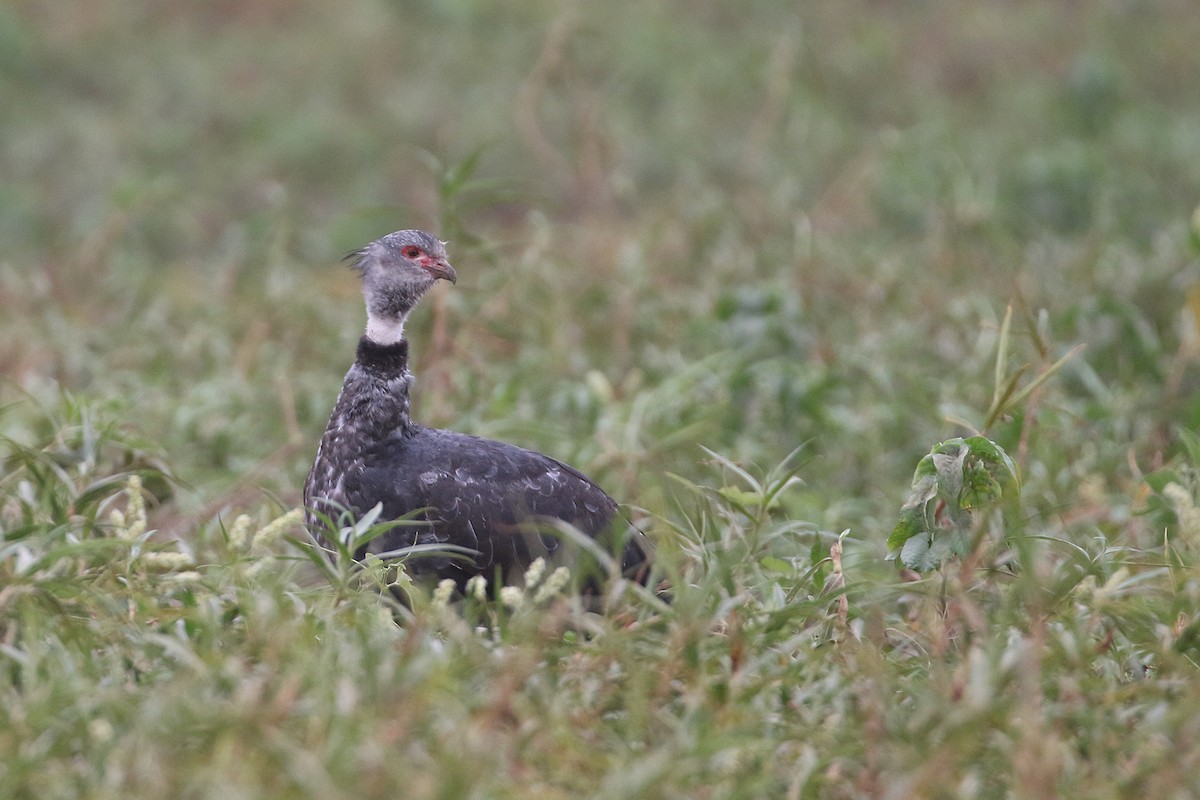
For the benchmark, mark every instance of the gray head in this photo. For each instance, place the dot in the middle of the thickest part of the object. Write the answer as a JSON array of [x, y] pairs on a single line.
[[397, 270]]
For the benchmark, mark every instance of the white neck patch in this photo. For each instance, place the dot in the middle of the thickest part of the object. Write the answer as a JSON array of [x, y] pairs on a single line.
[[385, 330]]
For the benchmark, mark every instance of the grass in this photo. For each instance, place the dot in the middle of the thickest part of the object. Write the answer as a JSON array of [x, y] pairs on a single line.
[[744, 266]]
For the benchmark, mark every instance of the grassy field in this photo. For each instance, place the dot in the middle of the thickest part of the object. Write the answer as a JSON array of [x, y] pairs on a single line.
[[744, 265]]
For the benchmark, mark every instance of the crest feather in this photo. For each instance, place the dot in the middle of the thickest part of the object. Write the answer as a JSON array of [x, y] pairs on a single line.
[[356, 258]]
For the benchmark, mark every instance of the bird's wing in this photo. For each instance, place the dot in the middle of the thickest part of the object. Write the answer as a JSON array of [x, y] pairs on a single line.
[[477, 493]]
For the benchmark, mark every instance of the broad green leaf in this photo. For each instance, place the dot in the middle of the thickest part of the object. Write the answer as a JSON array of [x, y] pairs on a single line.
[[925, 468], [950, 471], [1159, 479], [741, 497], [1191, 444], [776, 565], [964, 476], [924, 489], [994, 454], [912, 522], [915, 554], [979, 488]]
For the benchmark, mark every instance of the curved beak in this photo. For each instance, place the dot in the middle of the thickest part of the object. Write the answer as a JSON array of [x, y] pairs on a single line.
[[441, 269]]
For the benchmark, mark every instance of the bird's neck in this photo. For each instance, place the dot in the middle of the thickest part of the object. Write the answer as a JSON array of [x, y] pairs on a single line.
[[383, 361], [374, 401], [385, 329], [372, 406]]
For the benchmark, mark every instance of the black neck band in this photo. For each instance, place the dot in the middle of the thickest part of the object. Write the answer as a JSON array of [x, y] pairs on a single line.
[[383, 357]]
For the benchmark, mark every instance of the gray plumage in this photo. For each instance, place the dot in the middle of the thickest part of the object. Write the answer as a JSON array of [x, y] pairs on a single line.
[[490, 497]]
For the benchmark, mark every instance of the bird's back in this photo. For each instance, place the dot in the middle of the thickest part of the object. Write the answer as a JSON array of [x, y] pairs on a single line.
[[496, 499]]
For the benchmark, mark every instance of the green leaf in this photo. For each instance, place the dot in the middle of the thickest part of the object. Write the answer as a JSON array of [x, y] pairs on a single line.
[[912, 522], [1191, 444], [741, 497], [915, 553], [1159, 479], [925, 469], [966, 475], [994, 454], [979, 488], [776, 565], [949, 465]]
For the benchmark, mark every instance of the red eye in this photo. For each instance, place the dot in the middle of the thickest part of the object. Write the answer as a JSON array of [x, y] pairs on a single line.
[[411, 252]]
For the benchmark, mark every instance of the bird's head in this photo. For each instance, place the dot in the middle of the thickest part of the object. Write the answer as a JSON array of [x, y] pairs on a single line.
[[397, 270]]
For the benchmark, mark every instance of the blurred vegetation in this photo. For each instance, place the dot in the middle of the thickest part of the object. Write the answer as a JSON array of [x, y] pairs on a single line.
[[691, 238]]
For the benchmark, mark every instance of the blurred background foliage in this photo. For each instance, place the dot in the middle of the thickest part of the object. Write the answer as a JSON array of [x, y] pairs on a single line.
[[749, 227], [735, 225]]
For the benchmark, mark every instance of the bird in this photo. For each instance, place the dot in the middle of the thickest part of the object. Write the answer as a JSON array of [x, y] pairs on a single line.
[[495, 502]]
